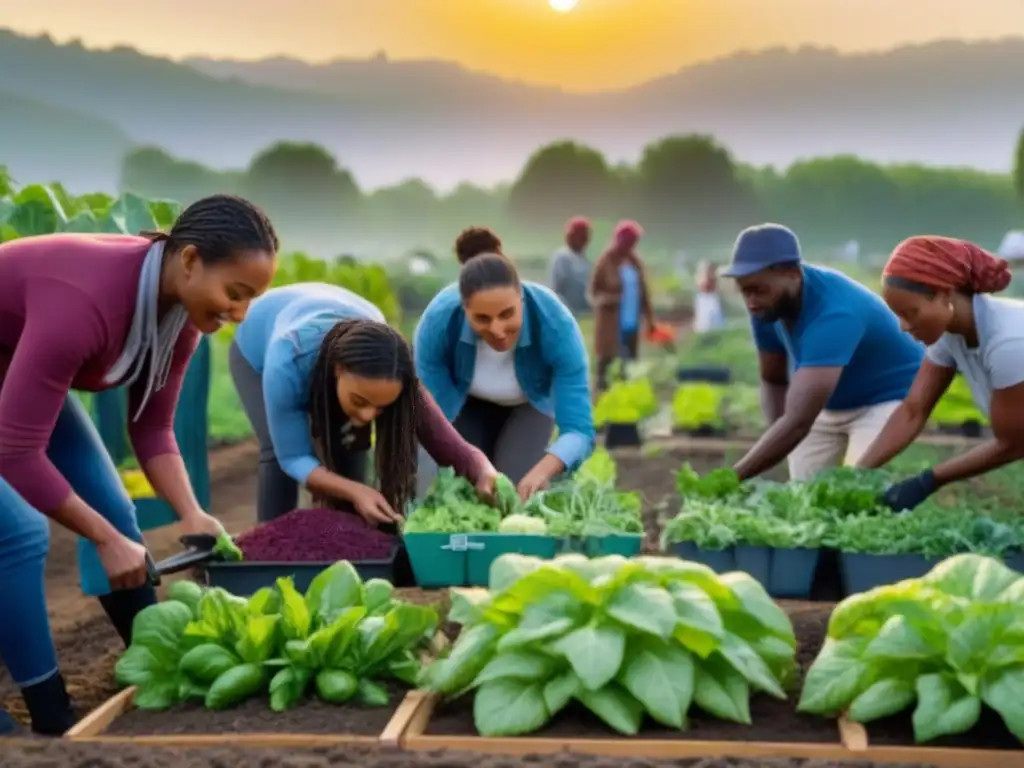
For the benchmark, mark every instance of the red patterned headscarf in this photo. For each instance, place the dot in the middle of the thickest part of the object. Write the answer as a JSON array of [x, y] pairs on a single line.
[[948, 264]]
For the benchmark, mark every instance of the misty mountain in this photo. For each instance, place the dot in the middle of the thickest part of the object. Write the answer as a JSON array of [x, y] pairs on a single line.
[[42, 142], [947, 103]]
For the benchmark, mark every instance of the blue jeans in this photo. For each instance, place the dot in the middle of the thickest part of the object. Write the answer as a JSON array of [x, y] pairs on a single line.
[[78, 453]]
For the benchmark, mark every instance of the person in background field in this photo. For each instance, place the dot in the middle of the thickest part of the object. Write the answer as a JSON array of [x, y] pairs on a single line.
[[707, 304], [506, 361], [317, 368], [939, 288], [570, 270], [834, 362], [95, 312], [620, 296]]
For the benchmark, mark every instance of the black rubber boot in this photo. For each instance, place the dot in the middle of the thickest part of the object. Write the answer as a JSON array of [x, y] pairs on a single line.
[[8, 725], [124, 605], [49, 706]]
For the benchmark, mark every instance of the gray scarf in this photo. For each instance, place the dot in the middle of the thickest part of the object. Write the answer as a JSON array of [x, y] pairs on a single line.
[[149, 341]]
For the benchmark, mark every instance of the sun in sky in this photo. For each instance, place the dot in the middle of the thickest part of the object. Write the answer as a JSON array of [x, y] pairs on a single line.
[[563, 6]]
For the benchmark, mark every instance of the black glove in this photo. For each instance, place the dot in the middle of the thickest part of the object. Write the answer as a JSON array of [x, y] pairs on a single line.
[[907, 494]]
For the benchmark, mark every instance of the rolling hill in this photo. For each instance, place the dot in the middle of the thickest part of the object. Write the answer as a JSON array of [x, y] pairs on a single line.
[[948, 103]]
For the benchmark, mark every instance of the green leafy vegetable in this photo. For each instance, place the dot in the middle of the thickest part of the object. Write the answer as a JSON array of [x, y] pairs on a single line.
[[626, 402], [950, 642], [227, 549], [698, 405], [621, 637], [223, 649]]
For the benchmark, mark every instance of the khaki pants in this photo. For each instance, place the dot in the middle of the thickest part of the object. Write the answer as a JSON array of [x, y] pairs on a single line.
[[838, 437]]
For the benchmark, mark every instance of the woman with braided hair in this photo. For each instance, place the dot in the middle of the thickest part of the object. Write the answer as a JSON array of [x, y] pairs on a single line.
[[94, 312], [317, 369], [940, 289]]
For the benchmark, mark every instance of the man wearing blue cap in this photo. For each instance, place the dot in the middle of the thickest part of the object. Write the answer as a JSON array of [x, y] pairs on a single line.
[[834, 362]]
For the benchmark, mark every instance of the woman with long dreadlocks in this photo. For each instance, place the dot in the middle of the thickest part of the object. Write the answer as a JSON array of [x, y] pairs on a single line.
[[317, 368], [940, 288], [93, 312]]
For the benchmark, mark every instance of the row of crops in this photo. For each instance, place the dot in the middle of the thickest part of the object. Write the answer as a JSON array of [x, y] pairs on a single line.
[[711, 387], [627, 646]]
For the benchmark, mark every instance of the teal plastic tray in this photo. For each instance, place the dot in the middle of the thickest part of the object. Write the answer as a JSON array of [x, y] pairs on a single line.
[[464, 560]]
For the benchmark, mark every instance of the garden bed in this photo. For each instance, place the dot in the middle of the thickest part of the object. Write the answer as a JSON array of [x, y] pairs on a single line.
[[252, 723], [777, 728]]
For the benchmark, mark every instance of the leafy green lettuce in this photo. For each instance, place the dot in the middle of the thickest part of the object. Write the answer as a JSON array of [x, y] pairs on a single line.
[[946, 644], [622, 637], [345, 635]]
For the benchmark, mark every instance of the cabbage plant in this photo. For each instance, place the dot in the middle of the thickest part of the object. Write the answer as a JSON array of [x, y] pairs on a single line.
[[946, 644], [624, 638]]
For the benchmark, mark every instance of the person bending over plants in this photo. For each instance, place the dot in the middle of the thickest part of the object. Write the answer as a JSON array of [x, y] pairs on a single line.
[[506, 362], [318, 370], [94, 312], [834, 362], [940, 288]]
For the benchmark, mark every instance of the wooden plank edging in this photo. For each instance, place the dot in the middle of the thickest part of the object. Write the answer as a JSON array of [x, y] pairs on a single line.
[[93, 726], [417, 740], [853, 744], [857, 739]]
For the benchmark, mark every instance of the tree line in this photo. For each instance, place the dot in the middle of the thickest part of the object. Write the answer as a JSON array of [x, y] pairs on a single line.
[[688, 192]]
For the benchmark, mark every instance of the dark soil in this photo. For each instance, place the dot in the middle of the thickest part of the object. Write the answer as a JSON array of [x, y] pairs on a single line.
[[51, 754], [654, 476], [256, 716], [898, 731], [773, 720]]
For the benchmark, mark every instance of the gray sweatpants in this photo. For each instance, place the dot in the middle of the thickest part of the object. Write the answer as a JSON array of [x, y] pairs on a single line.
[[514, 438], [278, 493]]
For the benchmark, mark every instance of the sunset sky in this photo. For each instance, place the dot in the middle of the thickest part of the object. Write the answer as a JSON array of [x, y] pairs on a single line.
[[601, 44]]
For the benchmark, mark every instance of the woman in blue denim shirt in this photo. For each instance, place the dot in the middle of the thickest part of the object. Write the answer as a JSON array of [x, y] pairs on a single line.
[[506, 362]]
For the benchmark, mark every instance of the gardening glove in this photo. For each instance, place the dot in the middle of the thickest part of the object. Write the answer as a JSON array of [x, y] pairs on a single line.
[[907, 494]]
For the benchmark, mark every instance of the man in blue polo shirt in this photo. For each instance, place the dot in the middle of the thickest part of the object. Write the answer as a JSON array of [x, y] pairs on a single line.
[[834, 362]]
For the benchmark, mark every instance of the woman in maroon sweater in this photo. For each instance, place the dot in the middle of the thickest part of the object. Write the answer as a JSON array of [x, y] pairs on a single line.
[[93, 312]]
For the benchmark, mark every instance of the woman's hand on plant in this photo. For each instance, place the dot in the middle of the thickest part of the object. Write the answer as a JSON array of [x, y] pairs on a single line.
[[372, 506], [201, 522], [486, 484], [124, 562], [535, 480]]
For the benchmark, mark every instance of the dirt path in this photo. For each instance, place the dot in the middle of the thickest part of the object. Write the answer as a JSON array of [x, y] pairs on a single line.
[[86, 644]]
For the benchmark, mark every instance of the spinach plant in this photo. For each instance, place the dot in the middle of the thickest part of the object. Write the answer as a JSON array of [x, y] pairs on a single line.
[[946, 644], [624, 638]]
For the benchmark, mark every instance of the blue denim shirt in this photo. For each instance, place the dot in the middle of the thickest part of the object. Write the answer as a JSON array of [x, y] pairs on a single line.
[[550, 361], [280, 338]]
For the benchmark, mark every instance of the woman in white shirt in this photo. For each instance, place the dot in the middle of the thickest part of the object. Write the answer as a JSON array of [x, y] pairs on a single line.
[[505, 360], [939, 288]]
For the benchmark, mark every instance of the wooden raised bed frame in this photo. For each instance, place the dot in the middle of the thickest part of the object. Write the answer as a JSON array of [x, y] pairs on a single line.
[[93, 726], [855, 738], [852, 738]]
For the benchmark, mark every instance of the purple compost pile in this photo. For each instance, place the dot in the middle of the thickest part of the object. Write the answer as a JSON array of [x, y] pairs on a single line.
[[315, 535]]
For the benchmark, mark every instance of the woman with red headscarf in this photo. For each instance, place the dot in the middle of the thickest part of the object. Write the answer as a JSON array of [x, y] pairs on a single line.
[[939, 288], [620, 297]]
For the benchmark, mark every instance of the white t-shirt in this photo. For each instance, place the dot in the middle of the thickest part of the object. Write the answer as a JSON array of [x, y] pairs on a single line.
[[494, 377], [998, 360], [707, 312]]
